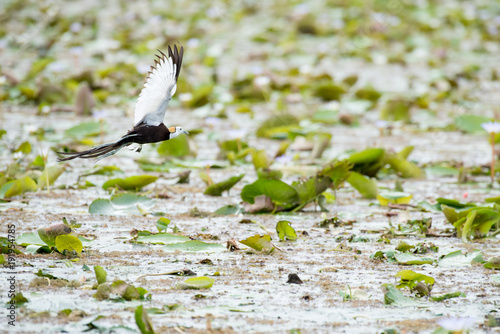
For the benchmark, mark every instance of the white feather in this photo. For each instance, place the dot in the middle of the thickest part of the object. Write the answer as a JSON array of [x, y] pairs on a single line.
[[158, 90]]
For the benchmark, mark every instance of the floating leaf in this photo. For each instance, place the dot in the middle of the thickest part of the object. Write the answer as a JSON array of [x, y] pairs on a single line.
[[121, 204], [218, 188], [440, 298], [410, 279], [410, 259], [368, 93], [397, 109], [366, 186], [261, 243], [268, 127], [103, 291], [403, 167], [162, 224], [130, 183], [285, 231], [196, 283], [104, 170], [457, 259], [18, 299], [194, 246], [329, 91], [160, 238], [493, 263], [68, 243], [30, 238], [471, 123], [38, 66], [50, 174], [260, 160], [327, 116], [395, 297], [278, 191], [19, 187], [229, 210], [441, 171], [338, 172], [477, 223], [24, 147], [311, 188], [368, 162], [176, 147], [100, 274], [142, 320], [88, 129], [394, 197]]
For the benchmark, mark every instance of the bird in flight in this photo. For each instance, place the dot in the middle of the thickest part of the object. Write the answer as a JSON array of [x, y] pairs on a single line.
[[159, 87]]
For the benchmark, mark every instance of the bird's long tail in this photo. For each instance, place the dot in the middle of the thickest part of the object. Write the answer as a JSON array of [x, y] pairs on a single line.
[[98, 152]]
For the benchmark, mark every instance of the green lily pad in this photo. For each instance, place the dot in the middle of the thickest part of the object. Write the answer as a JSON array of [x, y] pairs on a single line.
[[329, 91], [394, 197], [194, 246], [142, 321], [160, 239], [493, 263], [121, 204], [338, 172], [176, 147], [162, 224], [457, 259], [88, 129], [396, 298], [410, 259], [278, 191], [440, 298], [368, 162], [68, 243], [366, 186], [100, 274], [229, 210], [441, 171], [24, 147], [311, 188], [471, 123], [368, 93], [196, 283], [30, 238], [409, 279], [269, 126], [18, 299], [261, 243], [218, 188], [477, 223], [18, 187], [403, 167], [130, 183], [285, 231], [396, 109], [50, 175]]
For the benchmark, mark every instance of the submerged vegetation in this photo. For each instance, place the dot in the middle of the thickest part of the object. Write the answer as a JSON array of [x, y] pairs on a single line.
[[347, 147]]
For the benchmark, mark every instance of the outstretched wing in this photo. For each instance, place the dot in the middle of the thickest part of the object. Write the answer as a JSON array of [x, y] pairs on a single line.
[[159, 87]]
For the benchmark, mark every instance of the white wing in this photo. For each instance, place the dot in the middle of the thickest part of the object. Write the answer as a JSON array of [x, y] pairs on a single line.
[[159, 87]]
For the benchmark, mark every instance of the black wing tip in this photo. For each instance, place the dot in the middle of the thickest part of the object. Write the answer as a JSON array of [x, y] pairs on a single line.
[[176, 54]]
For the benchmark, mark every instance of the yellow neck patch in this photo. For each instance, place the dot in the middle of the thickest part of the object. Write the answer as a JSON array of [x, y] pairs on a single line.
[[171, 129]]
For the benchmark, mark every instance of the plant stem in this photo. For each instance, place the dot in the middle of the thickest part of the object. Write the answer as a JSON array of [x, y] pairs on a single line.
[[492, 157]]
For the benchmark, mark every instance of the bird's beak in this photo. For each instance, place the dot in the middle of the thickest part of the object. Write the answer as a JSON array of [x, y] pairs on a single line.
[[185, 132]]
